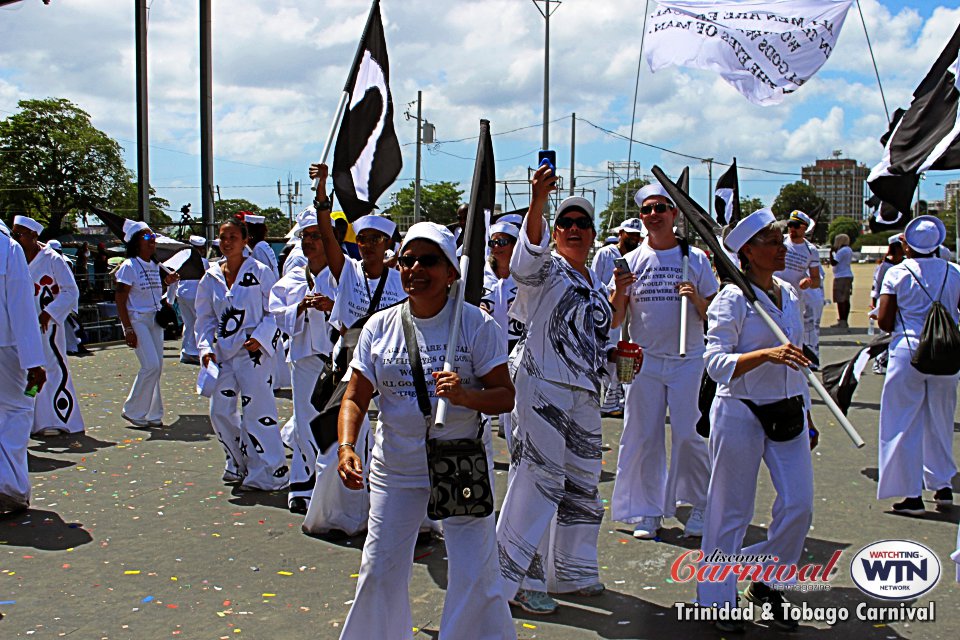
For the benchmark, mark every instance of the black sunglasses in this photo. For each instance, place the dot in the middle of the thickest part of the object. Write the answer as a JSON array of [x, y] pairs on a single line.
[[149, 236], [426, 261], [582, 222], [659, 207], [500, 242]]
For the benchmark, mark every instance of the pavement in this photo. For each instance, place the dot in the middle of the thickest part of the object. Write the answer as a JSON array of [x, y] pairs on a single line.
[[132, 534]]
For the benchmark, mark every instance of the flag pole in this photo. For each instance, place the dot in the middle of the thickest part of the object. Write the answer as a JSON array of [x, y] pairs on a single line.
[[694, 215], [345, 95], [458, 290], [684, 303]]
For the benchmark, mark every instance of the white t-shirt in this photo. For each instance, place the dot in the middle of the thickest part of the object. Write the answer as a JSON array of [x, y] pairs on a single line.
[[354, 292], [912, 302], [843, 256], [801, 258], [399, 453], [655, 303], [146, 289]]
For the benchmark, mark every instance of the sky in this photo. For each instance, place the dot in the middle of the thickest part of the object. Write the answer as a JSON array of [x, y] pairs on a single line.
[[279, 68]]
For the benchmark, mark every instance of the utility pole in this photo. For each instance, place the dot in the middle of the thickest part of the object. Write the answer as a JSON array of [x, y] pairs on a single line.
[[426, 133], [143, 138], [206, 119], [546, 12], [710, 196], [291, 197], [573, 150]]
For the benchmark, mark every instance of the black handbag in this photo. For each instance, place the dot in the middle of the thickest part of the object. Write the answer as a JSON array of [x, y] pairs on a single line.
[[166, 317], [458, 469], [781, 420]]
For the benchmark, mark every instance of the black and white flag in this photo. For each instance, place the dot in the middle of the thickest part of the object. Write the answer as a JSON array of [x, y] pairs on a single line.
[[884, 216], [367, 157], [841, 379], [483, 194], [726, 202], [764, 48], [681, 223], [924, 137]]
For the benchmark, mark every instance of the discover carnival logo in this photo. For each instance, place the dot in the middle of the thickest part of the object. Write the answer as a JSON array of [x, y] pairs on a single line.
[[895, 569]]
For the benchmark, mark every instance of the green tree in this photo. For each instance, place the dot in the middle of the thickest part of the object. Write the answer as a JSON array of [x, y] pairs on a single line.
[[56, 164], [748, 205], [622, 196], [438, 202], [278, 222], [800, 195], [843, 224]]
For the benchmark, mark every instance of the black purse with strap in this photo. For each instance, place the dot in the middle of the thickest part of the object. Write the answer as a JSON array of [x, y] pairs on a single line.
[[458, 469]]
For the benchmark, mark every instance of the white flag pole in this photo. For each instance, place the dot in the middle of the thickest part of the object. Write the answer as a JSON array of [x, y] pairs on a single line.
[[684, 308], [341, 107]]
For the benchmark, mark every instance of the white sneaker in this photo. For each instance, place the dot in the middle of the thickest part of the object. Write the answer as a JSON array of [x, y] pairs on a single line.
[[694, 525], [647, 528]]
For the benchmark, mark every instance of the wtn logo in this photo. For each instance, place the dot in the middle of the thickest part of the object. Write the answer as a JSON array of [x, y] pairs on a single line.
[[903, 570], [895, 569]]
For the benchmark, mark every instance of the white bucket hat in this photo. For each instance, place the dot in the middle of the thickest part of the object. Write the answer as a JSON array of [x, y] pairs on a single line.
[[924, 234], [435, 233]]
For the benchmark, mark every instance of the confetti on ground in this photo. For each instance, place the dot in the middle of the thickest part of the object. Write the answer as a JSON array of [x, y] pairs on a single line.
[[147, 599], [529, 626], [131, 573]]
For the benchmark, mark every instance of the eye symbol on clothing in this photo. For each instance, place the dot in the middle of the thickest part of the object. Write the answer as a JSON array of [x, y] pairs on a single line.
[[282, 471], [230, 393], [244, 400], [276, 338], [46, 297], [249, 280], [231, 320], [267, 421], [256, 443]]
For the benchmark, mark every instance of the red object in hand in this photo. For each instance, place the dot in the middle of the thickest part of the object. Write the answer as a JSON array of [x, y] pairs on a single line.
[[627, 355]]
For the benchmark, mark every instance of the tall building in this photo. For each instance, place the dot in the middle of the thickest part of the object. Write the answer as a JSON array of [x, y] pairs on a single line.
[[951, 191], [842, 182]]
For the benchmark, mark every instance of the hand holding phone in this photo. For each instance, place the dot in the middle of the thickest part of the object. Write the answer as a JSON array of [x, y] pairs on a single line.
[[621, 265], [548, 157]]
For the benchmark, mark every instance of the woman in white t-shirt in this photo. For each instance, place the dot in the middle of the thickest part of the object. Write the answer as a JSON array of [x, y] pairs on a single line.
[[841, 255], [916, 409], [398, 481], [139, 294]]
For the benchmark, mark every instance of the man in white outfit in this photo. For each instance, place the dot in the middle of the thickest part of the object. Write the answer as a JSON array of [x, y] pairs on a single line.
[[56, 295], [21, 372], [803, 272], [629, 236], [645, 491]]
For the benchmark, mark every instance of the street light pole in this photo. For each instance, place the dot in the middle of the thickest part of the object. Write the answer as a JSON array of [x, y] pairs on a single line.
[[416, 188], [710, 196]]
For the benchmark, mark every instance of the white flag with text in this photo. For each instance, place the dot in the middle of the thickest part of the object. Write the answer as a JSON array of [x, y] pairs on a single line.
[[764, 48]]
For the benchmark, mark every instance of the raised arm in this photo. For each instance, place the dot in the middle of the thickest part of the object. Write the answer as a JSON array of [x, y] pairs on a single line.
[[323, 206]]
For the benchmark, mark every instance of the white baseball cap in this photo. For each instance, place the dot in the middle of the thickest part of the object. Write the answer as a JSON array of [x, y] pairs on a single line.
[[435, 233]]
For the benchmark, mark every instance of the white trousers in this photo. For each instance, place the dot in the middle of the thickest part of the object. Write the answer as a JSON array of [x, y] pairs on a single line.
[[550, 517], [188, 311], [473, 608], [143, 401], [332, 505], [644, 486], [58, 406], [916, 428], [16, 416], [737, 446], [299, 435], [812, 312], [249, 435]]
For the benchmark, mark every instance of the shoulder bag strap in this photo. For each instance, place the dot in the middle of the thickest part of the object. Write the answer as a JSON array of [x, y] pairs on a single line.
[[416, 366], [375, 300]]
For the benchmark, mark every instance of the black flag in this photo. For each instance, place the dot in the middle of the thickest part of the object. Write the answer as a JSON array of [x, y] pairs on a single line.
[[681, 223], [841, 379], [189, 268], [925, 136], [726, 202], [482, 197], [367, 157], [884, 216]]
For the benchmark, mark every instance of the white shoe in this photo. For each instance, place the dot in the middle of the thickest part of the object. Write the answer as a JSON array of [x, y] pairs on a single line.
[[647, 528], [694, 525]]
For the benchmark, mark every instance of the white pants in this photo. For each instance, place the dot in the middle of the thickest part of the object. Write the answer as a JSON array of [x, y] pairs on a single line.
[[737, 446], [143, 402], [282, 378], [188, 312], [916, 428], [812, 312], [16, 416], [58, 406], [612, 396], [304, 373], [644, 486], [550, 518], [250, 436], [332, 505], [473, 608]]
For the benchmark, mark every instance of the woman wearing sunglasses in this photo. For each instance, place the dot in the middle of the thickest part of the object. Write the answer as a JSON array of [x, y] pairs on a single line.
[[550, 518], [755, 376], [139, 293], [500, 294], [398, 479]]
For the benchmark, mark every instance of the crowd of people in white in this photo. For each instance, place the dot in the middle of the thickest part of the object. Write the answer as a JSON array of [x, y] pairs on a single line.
[[539, 354]]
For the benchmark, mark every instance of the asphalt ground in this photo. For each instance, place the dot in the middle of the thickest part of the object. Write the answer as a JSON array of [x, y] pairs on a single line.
[[132, 534]]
